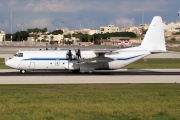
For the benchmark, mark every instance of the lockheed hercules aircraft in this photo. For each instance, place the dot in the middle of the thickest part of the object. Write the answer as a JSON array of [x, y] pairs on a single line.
[[90, 60]]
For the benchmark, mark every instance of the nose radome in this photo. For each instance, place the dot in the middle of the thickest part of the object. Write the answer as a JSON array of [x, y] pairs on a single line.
[[8, 63]]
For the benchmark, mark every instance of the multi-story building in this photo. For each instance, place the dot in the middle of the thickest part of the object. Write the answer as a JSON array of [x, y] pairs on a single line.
[[2, 36], [109, 29], [56, 39], [173, 27], [88, 31], [66, 31]]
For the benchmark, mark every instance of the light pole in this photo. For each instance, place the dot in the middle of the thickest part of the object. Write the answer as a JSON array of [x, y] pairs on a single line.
[[178, 15], [143, 16], [63, 32], [22, 26], [11, 23], [62, 24]]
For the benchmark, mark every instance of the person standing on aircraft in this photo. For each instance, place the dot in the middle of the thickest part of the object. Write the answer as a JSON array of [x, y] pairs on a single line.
[[78, 54], [69, 54]]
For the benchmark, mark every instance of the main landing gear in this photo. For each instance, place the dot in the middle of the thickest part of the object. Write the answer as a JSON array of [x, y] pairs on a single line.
[[22, 71]]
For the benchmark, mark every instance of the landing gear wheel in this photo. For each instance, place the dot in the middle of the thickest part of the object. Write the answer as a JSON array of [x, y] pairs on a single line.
[[75, 71], [89, 72], [22, 71]]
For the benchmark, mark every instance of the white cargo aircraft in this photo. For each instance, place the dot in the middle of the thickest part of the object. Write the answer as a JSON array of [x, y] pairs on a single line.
[[90, 60]]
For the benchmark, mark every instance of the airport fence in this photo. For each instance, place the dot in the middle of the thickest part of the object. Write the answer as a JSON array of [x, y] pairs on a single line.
[[23, 43], [32, 43]]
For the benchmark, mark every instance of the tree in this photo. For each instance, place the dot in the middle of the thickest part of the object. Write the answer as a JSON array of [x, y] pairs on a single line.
[[3, 38], [29, 30], [67, 36], [17, 36], [56, 32], [116, 34], [24, 35], [35, 33], [8, 36], [173, 39], [52, 37], [35, 37], [45, 37], [36, 30], [89, 38], [44, 30]]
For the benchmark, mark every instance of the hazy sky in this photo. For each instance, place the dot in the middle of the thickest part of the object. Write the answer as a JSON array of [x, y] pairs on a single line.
[[76, 14]]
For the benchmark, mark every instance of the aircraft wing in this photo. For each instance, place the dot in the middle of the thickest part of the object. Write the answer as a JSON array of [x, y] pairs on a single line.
[[99, 57], [102, 52]]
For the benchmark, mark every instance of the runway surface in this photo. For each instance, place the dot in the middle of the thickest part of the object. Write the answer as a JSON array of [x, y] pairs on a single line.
[[67, 77]]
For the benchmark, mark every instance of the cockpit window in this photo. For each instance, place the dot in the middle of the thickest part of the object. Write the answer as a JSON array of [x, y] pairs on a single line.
[[15, 55], [19, 55]]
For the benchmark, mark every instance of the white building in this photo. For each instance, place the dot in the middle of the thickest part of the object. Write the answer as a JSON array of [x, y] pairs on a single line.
[[134, 29], [48, 38], [56, 39], [73, 39], [173, 27], [109, 29], [2, 36], [66, 31], [86, 31], [144, 26]]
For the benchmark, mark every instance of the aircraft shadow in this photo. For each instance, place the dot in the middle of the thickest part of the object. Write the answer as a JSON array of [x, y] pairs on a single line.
[[98, 73]]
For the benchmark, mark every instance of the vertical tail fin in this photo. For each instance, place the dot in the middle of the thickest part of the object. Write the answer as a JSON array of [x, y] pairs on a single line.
[[154, 39]]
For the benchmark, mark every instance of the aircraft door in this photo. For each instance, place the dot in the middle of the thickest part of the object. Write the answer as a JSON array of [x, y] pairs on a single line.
[[57, 62], [32, 65]]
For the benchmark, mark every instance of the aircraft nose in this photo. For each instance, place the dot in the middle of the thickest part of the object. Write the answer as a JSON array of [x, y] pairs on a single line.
[[8, 63]]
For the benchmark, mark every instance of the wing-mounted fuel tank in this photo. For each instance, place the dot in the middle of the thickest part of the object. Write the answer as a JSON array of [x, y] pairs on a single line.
[[87, 54]]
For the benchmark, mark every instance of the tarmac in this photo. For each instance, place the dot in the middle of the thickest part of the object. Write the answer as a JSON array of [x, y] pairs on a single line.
[[66, 77]]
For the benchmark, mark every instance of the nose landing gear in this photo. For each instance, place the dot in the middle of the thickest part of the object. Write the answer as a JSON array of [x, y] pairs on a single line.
[[22, 71]]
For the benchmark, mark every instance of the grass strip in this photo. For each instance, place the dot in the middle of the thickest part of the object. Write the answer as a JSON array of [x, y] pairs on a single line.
[[153, 63], [90, 101]]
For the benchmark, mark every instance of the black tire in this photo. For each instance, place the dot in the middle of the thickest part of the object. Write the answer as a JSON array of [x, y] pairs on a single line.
[[22, 71], [75, 71]]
